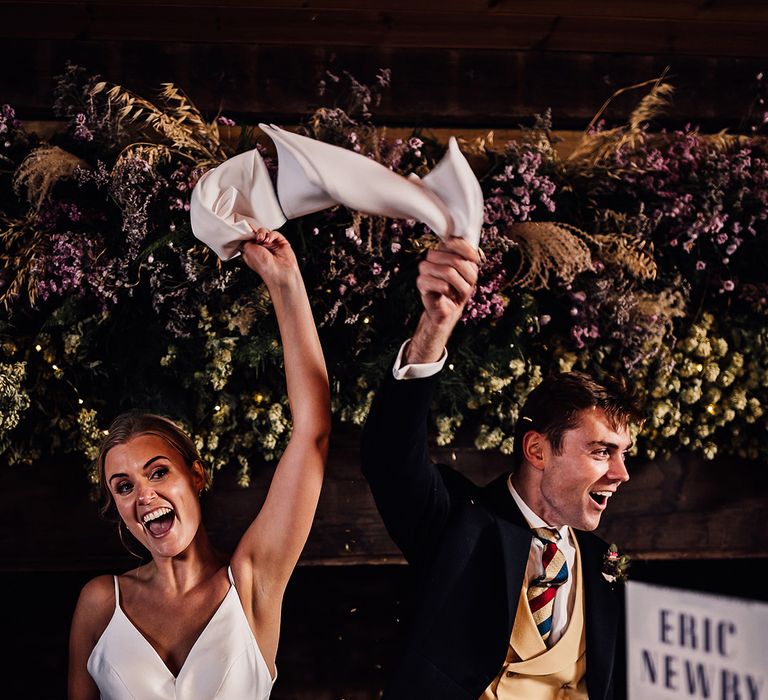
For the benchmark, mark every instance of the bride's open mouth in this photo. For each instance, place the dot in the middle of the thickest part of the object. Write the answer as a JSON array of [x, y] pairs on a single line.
[[159, 521]]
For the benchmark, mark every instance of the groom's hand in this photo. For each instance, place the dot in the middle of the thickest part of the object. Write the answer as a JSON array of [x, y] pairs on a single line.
[[447, 277]]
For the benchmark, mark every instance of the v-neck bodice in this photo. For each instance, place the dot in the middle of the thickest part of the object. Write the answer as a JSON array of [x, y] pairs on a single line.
[[224, 663]]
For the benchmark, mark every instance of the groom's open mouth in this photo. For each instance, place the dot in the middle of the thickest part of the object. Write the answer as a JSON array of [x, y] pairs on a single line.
[[159, 521], [600, 497]]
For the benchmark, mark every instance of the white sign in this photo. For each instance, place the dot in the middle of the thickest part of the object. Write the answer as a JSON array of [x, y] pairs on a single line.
[[694, 645]]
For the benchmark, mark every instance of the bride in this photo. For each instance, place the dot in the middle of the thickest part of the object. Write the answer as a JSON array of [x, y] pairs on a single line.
[[190, 624]]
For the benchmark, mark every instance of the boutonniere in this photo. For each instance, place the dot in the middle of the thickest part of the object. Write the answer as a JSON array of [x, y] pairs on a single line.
[[615, 565]]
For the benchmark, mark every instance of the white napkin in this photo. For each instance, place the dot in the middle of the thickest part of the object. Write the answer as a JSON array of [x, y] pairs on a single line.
[[313, 176], [228, 198]]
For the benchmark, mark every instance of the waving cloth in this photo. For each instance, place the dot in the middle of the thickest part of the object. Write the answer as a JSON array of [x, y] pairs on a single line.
[[313, 176]]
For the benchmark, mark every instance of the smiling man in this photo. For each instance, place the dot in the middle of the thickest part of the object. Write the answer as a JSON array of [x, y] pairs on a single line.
[[510, 600]]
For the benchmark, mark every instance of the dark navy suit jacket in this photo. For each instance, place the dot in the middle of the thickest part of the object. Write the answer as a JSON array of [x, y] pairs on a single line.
[[469, 547]]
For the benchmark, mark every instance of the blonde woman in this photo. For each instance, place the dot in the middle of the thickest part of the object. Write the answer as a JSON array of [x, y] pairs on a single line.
[[191, 624]]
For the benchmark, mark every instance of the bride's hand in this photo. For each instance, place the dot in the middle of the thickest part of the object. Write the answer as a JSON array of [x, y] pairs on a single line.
[[271, 256]]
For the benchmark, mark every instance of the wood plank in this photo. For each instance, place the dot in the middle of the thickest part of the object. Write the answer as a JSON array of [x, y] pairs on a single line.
[[745, 10], [465, 88], [353, 27], [566, 141]]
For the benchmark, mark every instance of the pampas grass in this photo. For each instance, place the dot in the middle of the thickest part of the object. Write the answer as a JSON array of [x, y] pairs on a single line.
[[41, 170], [548, 249]]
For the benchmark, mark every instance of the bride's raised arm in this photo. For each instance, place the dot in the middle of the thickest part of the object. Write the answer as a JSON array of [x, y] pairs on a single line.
[[270, 548]]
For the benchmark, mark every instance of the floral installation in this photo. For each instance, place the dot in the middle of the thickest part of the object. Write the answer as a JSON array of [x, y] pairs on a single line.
[[642, 253], [615, 565]]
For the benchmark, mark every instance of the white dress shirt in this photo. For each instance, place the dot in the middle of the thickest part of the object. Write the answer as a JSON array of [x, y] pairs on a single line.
[[563, 603], [416, 371]]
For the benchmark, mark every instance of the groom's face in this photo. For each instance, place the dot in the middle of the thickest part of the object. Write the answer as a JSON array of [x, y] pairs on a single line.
[[577, 483]]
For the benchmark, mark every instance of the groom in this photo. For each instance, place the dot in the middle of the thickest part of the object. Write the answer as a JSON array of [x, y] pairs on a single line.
[[510, 601]]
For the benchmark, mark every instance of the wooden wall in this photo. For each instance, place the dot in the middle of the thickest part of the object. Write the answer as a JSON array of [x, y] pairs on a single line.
[[470, 63], [456, 64], [681, 509]]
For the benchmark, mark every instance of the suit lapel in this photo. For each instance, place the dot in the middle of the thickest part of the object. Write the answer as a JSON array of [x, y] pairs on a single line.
[[601, 616], [515, 540]]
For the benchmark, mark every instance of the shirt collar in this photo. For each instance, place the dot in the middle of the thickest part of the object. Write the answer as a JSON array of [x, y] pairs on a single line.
[[531, 518]]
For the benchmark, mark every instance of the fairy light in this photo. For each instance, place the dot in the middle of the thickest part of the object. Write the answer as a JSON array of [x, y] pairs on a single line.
[[366, 319], [450, 367], [699, 367], [711, 408], [217, 408], [80, 401], [38, 347], [55, 368]]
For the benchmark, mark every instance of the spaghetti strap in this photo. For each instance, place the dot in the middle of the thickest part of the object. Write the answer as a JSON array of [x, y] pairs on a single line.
[[230, 576], [117, 593]]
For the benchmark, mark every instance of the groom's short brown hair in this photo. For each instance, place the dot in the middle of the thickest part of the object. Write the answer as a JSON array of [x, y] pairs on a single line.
[[553, 407]]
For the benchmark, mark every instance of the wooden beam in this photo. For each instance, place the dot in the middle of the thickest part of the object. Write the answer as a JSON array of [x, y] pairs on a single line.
[[649, 9], [398, 28], [495, 27], [566, 141], [464, 88]]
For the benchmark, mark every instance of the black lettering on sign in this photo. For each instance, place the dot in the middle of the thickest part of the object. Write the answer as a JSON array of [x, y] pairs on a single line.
[[700, 679], [698, 633], [754, 686], [729, 685], [666, 626], [670, 671], [724, 630], [648, 671]]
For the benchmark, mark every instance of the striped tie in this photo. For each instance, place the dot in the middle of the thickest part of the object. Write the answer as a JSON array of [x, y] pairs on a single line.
[[541, 591]]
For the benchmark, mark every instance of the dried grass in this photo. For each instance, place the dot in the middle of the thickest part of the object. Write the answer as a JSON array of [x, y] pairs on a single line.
[[654, 103], [371, 231], [151, 153], [548, 249], [633, 254], [21, 243], [478, 146], [597, 146], [178, 121], [41, 170]]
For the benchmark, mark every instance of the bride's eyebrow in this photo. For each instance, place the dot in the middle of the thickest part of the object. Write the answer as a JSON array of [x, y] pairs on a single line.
[[145, 467]]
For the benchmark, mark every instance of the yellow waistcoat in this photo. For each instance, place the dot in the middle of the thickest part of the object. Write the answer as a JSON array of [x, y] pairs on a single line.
[[534, 672]]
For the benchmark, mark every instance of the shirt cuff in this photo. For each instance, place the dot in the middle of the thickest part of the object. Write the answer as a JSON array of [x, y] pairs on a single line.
[[417, 371]]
